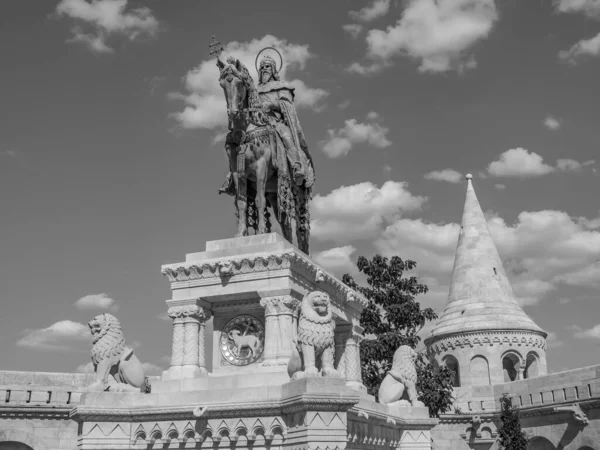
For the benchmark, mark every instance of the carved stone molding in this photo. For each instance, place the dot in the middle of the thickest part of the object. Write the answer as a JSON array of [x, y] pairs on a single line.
[[259, 409], [488, 338], [34, 412], [189, 311], [576, 411], [283, 304], [213, 268]]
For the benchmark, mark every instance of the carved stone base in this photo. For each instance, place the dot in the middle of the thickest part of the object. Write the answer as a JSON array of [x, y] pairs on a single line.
[[356, 385], [181, 372]]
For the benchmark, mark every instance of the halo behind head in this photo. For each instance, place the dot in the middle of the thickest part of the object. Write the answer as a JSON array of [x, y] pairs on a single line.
[[271, 53]]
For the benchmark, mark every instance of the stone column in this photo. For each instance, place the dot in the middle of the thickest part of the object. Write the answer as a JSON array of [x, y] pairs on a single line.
[[178, 334], [341, 335], [352, 359], [279, 329], [202, 342], [187, 351]]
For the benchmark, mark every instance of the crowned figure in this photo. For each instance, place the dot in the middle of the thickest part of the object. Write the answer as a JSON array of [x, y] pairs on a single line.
[[277, 97]]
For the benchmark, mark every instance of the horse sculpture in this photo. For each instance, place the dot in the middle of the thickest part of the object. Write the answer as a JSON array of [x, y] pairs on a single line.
[[258, 162]]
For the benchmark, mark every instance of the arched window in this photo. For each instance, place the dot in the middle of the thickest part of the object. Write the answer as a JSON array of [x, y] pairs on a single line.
[[11, 445], [531, 365], [511, 363], [452, 363], [480, 371], [540, 443]]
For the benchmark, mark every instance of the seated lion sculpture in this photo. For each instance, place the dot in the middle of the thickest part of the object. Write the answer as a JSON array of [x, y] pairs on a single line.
[[313, 350], [117, 368], [402, 376]]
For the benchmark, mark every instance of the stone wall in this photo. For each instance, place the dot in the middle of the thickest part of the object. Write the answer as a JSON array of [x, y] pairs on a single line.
[[561, 410], [34, 408]]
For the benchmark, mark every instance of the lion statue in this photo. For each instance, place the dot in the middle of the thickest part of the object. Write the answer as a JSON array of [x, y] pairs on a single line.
[[117, 368], [402, 376], [312, 350]]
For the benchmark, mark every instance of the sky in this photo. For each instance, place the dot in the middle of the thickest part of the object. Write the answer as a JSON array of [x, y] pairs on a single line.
[[111, 153]]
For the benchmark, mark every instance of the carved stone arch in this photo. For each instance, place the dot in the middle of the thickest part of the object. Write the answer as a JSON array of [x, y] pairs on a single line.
[[479, 369], [511, 365], [451, 363], [540, 443], [486, 433], [532, 365], [22, 437]]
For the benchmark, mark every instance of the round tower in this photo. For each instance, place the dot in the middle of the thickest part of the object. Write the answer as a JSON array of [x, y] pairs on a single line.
[[483, 335]]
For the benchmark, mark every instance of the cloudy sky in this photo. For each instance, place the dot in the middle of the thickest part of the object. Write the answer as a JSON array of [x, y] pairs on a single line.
[[111, 152]]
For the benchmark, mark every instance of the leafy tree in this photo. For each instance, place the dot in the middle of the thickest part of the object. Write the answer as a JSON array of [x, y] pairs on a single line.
[[510, 434], [393, 318]]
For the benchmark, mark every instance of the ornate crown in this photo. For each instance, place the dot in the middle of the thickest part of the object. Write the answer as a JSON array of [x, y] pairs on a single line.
[[268, 60]]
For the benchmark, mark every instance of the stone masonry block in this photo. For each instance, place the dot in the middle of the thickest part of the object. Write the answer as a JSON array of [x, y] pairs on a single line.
[[39, 397], [571, 394], [18, 396], [547, 397], [60, 397], [595, 388]]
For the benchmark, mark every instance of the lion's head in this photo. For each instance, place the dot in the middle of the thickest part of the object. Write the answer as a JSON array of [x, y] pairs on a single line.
[[107, 336], [404, 361], [320, 303]]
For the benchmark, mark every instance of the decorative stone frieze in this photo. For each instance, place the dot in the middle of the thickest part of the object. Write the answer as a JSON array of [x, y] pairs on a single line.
[[487, 338], [248, 264]]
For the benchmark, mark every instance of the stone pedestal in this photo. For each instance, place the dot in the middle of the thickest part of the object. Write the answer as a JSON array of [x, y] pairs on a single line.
[[252, 287]]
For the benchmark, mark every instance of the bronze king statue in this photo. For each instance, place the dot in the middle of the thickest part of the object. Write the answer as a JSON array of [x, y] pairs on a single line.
[[269, 162]]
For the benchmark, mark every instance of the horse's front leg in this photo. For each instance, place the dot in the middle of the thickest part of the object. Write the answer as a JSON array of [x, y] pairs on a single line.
[[241, 202], [261, 201]]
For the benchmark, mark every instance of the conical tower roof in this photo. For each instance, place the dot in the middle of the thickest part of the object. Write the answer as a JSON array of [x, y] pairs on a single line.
[[481, 298]]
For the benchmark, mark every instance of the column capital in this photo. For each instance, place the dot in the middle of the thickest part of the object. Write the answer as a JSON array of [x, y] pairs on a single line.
[[189, 311], [280, 304]]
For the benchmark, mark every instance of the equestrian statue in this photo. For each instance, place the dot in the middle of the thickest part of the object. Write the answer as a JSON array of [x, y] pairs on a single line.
[[269, 162]]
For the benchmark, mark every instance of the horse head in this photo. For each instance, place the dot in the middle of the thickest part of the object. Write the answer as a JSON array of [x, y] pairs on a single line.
[[236, 82]]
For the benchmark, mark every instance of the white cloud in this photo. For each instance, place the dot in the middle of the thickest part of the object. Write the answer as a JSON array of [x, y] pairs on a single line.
[[205, 105], [360, 211], [500, 187], [344, 104], [440, 34], [585, 47], [591, 333], [152, 369], [368, 69], [54, 337], [552, 123], [337, 260], [9, 153], [377, 9], [85, 368], [340, 142], [219, 139], [307, 97], [164, 316], [553, 341], [591, 8], [96, 301], [570, 165], [353, 29], [448, 175], [518, 162], [104, 19]]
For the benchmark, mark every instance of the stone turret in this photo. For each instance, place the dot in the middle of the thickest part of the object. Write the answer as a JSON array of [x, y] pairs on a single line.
[[483, 335]]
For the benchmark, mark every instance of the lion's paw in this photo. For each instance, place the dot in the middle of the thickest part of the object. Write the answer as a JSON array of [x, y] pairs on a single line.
[[298, 375], [330, 372], [312, 372], [418, 404]]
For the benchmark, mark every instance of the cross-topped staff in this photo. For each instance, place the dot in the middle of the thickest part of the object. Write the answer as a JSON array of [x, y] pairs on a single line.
[[214, 47]]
